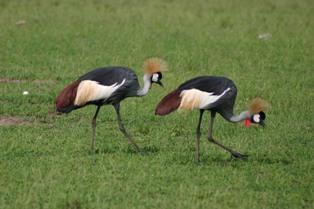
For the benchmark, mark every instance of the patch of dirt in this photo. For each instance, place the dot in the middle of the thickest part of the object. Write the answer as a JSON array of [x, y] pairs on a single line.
[[76, 204], [37, 81], [12, 121], [21, 22]]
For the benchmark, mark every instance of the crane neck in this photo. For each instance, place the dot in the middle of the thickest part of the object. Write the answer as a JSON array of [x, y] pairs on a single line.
[[147, 84], [242, 116]]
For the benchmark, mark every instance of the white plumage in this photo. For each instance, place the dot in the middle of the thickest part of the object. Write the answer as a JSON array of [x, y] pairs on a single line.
[[194, 98], [91, 91]]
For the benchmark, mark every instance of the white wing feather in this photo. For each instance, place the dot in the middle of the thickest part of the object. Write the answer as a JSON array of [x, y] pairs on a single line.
[[91, 91], [194, 98]]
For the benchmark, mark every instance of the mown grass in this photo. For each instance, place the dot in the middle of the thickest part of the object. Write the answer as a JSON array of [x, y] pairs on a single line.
[[45, 163]]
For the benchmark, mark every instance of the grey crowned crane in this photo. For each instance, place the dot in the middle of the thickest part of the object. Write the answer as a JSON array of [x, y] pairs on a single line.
[[216, 94], [109, 85]]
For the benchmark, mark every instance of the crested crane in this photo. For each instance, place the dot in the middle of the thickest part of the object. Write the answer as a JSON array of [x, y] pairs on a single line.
[[109, 85], [215, 94]]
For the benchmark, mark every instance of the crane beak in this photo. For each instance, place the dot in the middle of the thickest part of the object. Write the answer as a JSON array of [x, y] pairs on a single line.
[[160, 84], [262, 123]]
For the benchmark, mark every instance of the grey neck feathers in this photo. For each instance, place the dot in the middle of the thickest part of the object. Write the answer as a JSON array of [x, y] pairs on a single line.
[[147, 84], [242, 116]]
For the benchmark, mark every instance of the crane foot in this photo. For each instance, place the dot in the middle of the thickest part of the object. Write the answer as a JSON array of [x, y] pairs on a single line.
[[239, 155], [92, 152]]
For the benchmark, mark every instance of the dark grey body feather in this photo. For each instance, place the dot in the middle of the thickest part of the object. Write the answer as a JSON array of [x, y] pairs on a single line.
[[108, 76], [216, 85]]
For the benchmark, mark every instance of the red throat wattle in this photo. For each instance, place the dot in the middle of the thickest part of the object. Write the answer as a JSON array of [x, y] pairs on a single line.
[[247, 123]]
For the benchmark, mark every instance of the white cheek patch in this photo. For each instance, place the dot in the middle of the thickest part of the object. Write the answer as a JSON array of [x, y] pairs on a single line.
[[155, 77], [256, 118]]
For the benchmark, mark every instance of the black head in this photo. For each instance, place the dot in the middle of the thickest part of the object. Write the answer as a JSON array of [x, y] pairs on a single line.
[[156, 78], [259, 118]]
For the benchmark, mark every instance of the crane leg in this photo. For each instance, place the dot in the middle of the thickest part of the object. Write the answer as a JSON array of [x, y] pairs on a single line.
[[122, 129], [234, 153], [198, 135], [94, 129]]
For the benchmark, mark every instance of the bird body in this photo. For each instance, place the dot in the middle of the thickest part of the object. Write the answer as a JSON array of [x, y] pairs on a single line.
[[204, 92], [109, 85], [215, 94], [101, 86]]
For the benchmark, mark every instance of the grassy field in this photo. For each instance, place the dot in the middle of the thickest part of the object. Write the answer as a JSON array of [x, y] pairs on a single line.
[[45, 160]]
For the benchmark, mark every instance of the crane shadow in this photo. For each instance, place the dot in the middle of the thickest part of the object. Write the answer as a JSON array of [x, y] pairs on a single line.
[[144, 151], [150, 150], [224, 161], [252, 159], [269, 160]]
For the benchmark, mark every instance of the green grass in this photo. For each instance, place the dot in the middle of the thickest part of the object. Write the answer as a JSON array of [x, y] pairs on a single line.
[[46, 164]]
